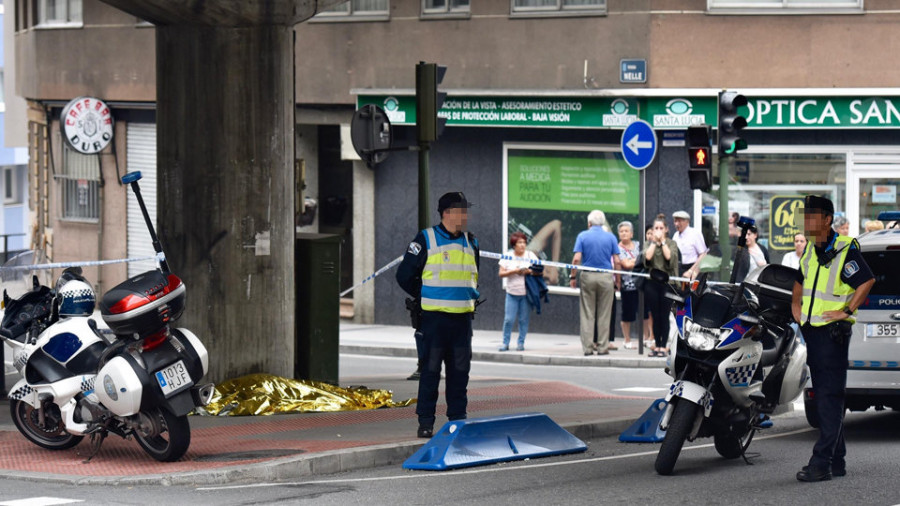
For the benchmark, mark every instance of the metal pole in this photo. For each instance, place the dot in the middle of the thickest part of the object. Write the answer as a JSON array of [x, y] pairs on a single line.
[[423, 185], [724, 239]]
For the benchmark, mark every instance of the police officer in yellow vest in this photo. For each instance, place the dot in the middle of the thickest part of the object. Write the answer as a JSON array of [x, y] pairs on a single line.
[[833, 282], [440, 268]]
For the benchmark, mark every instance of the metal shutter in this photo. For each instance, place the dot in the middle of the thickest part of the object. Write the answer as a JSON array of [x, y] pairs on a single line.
[[141, 147]]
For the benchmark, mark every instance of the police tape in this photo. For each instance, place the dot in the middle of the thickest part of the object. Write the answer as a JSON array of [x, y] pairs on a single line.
[[374, 275], [66, 265], [546, 263]]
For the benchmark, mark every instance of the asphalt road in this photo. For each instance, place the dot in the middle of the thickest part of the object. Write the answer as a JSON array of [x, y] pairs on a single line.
[[608, 473]]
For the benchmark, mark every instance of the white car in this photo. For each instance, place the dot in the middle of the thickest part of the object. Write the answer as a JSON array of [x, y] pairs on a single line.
[[874, 376]]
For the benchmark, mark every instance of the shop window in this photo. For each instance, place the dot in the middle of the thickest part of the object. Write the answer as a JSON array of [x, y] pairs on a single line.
[[770, 189], [557, 7], [549, 191], [356, 10], [59, 13], [79, 186], [785, 6], [445, 8]]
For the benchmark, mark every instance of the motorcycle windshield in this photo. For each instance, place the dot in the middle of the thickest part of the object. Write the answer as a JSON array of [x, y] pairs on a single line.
[[16, 278]]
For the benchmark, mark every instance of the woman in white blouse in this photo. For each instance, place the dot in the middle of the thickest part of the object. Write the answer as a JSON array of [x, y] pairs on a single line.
[[792, 259]]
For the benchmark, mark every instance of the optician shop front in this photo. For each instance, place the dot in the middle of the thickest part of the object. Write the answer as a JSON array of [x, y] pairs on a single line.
[[538, 162]]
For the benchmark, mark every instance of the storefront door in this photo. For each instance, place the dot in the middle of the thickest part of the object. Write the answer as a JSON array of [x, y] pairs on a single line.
[[872, 186]]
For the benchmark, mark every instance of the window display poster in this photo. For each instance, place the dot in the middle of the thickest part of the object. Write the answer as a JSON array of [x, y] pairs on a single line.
[[884, 194], [551, 192], [785, 220]]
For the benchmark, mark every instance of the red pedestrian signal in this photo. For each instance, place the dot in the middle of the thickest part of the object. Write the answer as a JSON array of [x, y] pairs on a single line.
[[699, 157]]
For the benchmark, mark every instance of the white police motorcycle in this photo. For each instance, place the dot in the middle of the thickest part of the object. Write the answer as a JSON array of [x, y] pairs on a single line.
[[141, 381], [735, 361]]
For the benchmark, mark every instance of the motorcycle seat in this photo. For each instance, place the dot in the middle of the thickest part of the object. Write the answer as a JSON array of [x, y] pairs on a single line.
[[774, 346]]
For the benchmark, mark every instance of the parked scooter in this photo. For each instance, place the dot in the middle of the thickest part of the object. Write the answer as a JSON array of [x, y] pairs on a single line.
[[76, 381], [735, 361]]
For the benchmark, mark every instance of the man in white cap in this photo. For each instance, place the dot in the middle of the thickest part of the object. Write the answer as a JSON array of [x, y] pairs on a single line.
[[690, 244]]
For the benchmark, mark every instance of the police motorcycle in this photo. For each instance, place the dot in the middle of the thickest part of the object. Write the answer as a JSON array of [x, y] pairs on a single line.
[[77, 380], [736, 359]]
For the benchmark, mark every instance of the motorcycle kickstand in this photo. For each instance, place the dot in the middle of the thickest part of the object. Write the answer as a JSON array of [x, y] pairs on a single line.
[[96, 441], [744, 454]]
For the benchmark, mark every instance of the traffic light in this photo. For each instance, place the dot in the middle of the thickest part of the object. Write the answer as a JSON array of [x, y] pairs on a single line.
[[731, 123], [429, 101], [699, 151]]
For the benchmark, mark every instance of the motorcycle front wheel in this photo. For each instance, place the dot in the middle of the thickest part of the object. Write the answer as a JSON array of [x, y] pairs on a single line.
[[679, 427], [732, 446], [51, 435], [168, 436]]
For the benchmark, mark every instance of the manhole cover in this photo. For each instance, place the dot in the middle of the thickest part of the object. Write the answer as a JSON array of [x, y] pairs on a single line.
[[252, 455]]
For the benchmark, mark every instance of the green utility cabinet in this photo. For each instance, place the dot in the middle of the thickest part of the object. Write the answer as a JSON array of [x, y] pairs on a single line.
[[318, 275]]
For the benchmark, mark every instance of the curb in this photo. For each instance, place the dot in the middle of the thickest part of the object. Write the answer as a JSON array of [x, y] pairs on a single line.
[[292, 468], [519, 358]]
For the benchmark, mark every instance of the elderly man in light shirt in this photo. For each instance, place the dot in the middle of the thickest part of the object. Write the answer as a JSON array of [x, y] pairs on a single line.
[[690, 244]]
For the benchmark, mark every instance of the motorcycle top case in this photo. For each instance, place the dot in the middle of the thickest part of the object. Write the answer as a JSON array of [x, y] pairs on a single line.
[[144, 304], [773, 285]]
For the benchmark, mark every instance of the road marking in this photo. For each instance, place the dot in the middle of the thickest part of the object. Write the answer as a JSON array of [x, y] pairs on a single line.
[[493, 469], [640, 389], [39, 501]]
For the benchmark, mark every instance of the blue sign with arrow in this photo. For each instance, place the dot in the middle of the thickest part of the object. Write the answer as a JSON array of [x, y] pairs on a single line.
[[639, 144]]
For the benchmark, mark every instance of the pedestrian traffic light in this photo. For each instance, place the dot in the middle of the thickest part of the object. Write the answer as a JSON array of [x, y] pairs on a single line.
[[429, 101], [731, 123], [699, 151]]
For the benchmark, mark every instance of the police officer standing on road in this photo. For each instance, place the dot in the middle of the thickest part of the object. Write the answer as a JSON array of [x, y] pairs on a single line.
[[440, 270], [833, 282]]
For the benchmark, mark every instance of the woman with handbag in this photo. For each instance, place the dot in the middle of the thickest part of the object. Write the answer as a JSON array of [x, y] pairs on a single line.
[[629, 252]]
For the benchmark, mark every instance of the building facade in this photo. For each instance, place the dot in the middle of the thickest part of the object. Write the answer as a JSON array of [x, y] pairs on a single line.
[[539, 93]]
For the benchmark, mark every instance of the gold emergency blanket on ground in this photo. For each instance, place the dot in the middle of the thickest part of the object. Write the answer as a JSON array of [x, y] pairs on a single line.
[[265, 394]]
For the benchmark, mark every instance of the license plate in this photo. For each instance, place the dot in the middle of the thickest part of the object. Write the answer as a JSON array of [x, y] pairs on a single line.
[[883, 330], [173, 378]]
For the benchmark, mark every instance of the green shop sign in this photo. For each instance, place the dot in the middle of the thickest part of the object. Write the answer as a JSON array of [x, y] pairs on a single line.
[[795, 112], [573, 184]]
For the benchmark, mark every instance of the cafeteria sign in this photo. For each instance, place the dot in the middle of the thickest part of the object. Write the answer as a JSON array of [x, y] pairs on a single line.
[[785, 220], [87, 124]]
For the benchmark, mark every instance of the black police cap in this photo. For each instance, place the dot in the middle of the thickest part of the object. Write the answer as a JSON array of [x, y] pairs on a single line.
[[821, 204], [451, 200]]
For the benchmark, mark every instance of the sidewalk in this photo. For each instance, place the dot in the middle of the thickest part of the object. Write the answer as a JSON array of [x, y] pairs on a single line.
[[540, 349], [254, 449]]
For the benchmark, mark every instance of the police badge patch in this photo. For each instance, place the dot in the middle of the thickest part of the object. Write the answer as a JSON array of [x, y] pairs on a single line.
[[414, 248], [851, 268]]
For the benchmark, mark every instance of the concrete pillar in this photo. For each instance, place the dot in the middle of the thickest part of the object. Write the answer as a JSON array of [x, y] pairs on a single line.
[[364, 242], [225, 120]]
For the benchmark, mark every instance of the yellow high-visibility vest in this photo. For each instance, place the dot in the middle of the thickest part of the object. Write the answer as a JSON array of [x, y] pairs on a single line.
[[450, 276], [823, 289]]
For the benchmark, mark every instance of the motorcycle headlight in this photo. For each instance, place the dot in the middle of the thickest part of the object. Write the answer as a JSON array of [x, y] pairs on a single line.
[[701, 338]]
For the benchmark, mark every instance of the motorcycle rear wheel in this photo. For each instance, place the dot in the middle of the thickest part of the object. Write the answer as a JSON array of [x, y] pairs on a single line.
[[679, 427], [731, 446], [173, 437], [52, 435]]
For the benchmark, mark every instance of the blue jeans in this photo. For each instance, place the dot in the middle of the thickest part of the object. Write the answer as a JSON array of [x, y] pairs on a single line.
[[517, 307]]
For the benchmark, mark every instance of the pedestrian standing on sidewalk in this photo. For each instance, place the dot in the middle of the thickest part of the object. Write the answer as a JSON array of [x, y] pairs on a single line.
[[595, 247], [833, 281], [662, 254], [440, 269], [691, 245], [649, 341], [517, 306], [629, 252]]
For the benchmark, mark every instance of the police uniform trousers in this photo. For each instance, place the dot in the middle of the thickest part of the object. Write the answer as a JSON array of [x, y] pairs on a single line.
[[446, 339], [827, 360]]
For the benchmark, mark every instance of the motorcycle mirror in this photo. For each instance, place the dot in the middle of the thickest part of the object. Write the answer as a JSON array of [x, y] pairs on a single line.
[[672, 296], [659, 275], [752, 320], [752, 299]]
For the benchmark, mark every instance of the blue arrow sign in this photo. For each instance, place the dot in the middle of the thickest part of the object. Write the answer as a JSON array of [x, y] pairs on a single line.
[[639, 144]]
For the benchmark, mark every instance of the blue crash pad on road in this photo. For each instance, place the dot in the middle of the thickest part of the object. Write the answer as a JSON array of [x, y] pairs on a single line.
[[478, 441], [646, 428]]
